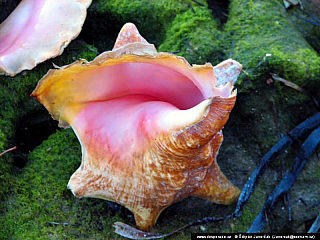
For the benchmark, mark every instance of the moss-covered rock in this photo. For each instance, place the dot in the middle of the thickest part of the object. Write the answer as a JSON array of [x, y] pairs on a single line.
[[153, 19], [182, 26], [195, 35], [260, 35], [309, 31]]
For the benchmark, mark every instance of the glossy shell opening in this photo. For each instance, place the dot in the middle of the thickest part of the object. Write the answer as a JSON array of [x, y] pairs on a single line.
[[152, 82]]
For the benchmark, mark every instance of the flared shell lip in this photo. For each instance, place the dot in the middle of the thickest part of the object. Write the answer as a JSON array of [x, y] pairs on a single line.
[[112, 56], [120, 55]]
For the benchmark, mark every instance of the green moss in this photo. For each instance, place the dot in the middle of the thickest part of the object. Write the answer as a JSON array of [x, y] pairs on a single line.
[[5, 167], [172, 25], [76, 50], [260, 35], [84, 51], [40, 197], [15, 103], [250, 211], [14, 91], [195, 36], [151, 17]]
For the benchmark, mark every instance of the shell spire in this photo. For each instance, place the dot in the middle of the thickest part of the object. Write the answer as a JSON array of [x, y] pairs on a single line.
[[128, 34]]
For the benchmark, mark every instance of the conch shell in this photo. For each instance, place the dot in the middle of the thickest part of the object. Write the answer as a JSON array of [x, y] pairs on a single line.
[[149, 125], [37, 30]]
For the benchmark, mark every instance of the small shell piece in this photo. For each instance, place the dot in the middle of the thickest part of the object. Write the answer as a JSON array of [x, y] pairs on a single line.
[[149, 125], [288, 3], [37, 30]]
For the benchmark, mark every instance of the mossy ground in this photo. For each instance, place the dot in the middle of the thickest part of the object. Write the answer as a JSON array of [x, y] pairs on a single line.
[[263, 31], [17, 107], [39, 197], [259, 34]]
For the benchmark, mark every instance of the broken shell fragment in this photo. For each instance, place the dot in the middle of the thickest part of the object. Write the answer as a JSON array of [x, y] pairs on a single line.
[[149, 125], [38, 30]]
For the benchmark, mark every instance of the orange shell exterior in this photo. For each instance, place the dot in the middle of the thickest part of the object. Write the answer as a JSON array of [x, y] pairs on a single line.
[[171, 168], [170, 165]]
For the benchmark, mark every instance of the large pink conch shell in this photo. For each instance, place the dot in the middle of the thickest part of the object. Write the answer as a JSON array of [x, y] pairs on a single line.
[[149, 125], [37, 30]]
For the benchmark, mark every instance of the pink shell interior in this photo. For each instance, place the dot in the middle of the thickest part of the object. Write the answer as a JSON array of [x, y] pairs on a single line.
[[130, 107], [31, 34], [19, 29], [128, 103], [158, 82], [125, 97]]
